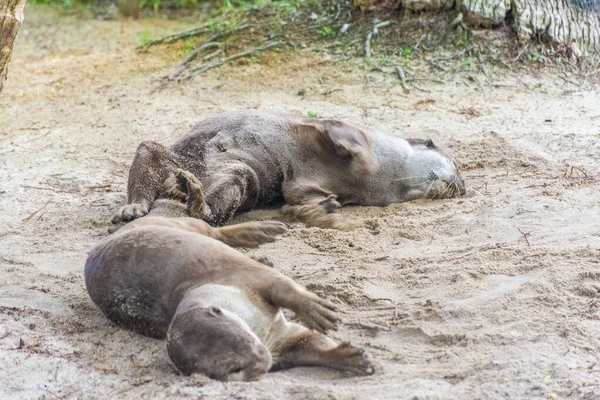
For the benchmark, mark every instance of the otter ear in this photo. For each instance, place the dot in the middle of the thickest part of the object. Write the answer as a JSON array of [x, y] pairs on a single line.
[[345, 140], [215, 312], [429, 144]]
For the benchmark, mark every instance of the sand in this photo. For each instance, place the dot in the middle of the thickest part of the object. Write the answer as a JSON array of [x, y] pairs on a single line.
[[495, 295]]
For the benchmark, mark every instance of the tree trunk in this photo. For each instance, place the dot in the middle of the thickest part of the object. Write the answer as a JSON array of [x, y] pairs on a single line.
[[128, 8], [11, 18], [574, 23], [571, 23]]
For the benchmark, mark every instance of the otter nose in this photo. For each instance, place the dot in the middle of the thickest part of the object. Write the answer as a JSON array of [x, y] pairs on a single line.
[[261, 366], [459, 183]]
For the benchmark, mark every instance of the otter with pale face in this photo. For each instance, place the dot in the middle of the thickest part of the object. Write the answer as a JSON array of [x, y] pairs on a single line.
[[244, 159], [219, 310]]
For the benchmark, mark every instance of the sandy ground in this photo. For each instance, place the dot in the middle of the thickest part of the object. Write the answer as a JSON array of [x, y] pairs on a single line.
[[495, 295]]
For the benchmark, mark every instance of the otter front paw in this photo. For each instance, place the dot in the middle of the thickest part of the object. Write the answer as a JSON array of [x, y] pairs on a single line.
[[316, 313], [330, 204], [130, 212], [351, 359]]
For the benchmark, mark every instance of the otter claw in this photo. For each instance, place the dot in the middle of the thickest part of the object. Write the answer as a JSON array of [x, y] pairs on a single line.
[[330, 204], [130, 212]]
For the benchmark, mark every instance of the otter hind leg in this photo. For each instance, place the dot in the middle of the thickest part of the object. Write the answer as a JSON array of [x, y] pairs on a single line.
[[314, 206], [310, 348], [151, 167]]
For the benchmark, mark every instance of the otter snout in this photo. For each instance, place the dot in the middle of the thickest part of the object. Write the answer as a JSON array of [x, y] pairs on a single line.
[[260, 365], [458, 183]]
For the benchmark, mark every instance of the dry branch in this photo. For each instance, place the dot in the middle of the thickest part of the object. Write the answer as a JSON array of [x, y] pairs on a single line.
[[373, 32], [215, 64], [178, 36]]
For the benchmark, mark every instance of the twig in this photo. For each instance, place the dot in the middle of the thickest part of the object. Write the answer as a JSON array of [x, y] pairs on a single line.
[[525, 236], [210, 42], [568, 174], [457, 20], [425, 79], [419, 88], [208, 45], [51, 189], [173, 38], [212, 55], [402, 77], [520, 53], [33, 214], [380, 25], [215, 64], [373, 32], [482, 65], [368, 44]]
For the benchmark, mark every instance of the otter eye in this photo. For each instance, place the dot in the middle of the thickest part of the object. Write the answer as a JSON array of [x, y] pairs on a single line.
[[235, 371], [215, 312]]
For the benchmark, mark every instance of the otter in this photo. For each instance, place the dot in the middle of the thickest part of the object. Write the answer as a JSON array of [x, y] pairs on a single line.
[[243, 159], [219, 310]]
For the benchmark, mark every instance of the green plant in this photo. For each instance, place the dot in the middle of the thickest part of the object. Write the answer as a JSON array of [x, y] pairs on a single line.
[[385, 61], [327, 31], [286, 6], [366, 63], [534, 58], [312, 114], [467, 63], [407, 52], [146, 37]]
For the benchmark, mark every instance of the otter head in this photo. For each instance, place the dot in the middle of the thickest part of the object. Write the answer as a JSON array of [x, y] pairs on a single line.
[[430, 172], [216, 343]]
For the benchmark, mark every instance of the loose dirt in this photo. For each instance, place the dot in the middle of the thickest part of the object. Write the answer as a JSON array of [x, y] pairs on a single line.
[[493, 295]]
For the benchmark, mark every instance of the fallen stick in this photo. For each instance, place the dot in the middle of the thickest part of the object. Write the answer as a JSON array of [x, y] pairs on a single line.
[[368, 45], [402, 77], [191, 58], [33, 214], [176, 37], [373, 32], [210, 43], [215, 64]]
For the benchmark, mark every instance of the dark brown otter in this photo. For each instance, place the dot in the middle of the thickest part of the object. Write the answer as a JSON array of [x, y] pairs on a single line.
[[245, 159]]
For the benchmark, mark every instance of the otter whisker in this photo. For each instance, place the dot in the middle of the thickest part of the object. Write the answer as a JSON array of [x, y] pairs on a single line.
[[428, 189], [446, 190]]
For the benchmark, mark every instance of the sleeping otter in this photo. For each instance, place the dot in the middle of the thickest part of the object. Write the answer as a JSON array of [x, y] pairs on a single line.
[[243, 159]]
